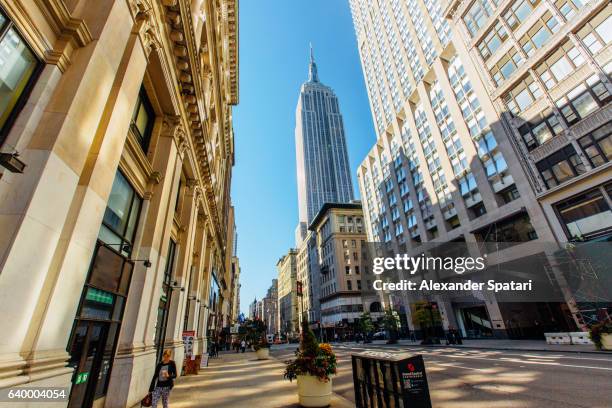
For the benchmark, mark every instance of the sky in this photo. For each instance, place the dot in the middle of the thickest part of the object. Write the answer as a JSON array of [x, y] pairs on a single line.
[[274, 37]]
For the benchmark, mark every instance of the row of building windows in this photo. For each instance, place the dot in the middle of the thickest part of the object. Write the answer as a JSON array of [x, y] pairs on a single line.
[[566, 164]]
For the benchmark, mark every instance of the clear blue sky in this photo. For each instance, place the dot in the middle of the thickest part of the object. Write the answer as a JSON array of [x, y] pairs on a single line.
[[273, 44]]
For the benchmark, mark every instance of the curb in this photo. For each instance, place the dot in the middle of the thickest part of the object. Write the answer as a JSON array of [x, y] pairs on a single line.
[[499, 348]]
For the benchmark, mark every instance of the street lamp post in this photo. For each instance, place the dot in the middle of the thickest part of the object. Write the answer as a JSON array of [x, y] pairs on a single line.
[[300, 294]]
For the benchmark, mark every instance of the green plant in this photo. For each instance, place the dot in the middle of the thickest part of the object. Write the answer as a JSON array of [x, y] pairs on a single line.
[[311, 358], [597, 330], [425, 316], [256, 334], [365, 324], [390, 323]]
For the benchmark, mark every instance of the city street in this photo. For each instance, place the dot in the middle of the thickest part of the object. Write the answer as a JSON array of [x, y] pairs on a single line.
[[494, 378]]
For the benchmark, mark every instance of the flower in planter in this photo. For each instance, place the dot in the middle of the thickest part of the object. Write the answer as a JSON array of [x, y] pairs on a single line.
[[311, 358]]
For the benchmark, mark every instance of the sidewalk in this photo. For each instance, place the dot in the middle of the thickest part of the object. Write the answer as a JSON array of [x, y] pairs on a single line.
[[239, 380], [495, 344]]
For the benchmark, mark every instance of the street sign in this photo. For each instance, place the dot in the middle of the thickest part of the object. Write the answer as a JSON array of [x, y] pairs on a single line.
[[188, 339], [81, 378]]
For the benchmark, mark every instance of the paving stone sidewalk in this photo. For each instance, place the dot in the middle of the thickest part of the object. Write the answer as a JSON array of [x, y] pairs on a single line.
[[236, 380]]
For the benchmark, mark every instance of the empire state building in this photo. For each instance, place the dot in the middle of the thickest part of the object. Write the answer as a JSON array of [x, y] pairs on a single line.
[[323, 172]]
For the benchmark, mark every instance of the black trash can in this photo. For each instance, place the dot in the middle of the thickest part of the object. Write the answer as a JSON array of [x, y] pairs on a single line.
[[388, 380]]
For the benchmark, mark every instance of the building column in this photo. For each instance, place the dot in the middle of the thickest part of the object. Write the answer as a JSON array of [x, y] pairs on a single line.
[[135, 359], [179, 303]]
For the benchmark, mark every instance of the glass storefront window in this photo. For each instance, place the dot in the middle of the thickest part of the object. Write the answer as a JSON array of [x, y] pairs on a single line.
[[585, 215], [18, 66], [121, 215]]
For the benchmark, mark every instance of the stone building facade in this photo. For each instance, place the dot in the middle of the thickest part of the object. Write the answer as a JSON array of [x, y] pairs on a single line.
[[114, 235], [462, 93], [554, 98], [343, 261], [288, 302]]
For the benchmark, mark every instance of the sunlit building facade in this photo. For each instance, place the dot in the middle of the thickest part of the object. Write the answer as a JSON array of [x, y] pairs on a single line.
[[115, 217], [288, 302], [447, 166]]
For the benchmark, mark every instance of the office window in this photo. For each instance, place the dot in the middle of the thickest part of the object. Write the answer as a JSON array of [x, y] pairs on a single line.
[[583, 99], [356, 269], [569, 7], [142, 120], [598, 145], [349, 285], [492, 40], [467, 185], [518, 12], [347, 270], [539, 132], [539, 33], [18, 67], [598, 32], [560, 166], [586, 215], [522, 95], [506, 66], [559, 64], [478, 14]]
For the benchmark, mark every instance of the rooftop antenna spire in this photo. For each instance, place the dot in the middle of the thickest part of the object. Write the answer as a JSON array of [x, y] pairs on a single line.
[[312, 68]]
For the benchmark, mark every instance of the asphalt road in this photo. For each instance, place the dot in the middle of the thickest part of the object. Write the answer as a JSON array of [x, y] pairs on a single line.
[[494, 378]]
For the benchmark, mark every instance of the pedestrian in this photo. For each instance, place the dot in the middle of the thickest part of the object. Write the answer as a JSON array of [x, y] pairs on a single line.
[[163, 380], [243, 345]]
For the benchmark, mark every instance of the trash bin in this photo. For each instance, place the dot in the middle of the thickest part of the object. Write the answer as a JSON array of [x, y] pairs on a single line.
[[389, 380]]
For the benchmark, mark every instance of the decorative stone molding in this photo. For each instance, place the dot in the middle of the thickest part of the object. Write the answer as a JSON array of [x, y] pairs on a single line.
[[146, 26], [549, 147], [191, 183], [172, 126]]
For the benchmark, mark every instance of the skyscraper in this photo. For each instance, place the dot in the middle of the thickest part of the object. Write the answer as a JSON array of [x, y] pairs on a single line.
[[473, 125], [323, 172]]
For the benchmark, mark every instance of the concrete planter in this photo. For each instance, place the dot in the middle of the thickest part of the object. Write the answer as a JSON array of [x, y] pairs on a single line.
[[606, 341], [312, 392], [263, 353]]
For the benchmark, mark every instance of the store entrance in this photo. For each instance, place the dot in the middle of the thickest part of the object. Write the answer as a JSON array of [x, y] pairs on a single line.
[[476, 322], [96, 327]]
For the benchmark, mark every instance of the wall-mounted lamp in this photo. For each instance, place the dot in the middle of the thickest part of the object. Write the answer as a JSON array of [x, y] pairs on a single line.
[[11, 162], [145, 262]]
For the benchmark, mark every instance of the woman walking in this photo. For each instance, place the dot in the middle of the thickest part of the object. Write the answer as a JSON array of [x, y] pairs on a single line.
[[163, 380]]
